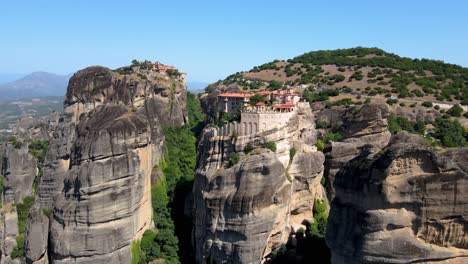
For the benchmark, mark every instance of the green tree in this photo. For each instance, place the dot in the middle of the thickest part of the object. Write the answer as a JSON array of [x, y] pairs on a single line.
[[256, 98], [427, 104], [22, 209], [455, 111], [233, 159], [450, 133], [399, 123], [248, 148], [318, 227], [271, 146]]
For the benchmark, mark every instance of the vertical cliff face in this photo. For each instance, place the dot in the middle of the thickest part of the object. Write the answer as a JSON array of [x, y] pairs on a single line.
[[405, 204], [244, 212], [97, 172], [19, 170], [362, 127]]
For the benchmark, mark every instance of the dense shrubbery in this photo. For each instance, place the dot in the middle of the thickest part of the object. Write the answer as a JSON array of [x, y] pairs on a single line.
[[248, 148], [344, 101], [392, 101], [324, 95], [399, 123], [275, 85], [22, 209], [256, 98], [271, 146], [320, 124], [356, 56], [450, 133], [233, 159], [456, 111], [329, 136], [318, 227], [38, 148], [427, 104]]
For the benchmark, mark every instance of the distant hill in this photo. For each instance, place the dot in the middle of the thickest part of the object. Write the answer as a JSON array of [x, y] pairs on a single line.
[[37, 84], [196, 87], [360, 71]]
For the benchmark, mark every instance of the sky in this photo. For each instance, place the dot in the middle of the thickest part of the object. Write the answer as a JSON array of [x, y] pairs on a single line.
[[213, 39]]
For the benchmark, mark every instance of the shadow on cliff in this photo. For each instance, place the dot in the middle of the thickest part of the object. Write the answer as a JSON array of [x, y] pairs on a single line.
[[310, 250], [181, 213]]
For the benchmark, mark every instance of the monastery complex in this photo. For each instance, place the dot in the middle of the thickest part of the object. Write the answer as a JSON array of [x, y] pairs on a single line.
[[273, 111]]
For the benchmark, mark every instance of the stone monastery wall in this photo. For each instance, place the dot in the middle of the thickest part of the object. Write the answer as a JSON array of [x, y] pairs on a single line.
[[252, 123]]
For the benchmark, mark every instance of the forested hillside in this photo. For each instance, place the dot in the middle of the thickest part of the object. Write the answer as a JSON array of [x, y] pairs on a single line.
[[363, 71]]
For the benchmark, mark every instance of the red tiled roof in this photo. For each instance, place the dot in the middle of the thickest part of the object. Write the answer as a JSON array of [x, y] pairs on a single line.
[[237, 95], [260, 104], [264, 93], [283, 106]]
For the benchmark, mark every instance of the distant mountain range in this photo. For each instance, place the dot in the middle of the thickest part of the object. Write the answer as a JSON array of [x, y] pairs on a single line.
[[36, 84], [42, 84], [196, 87]]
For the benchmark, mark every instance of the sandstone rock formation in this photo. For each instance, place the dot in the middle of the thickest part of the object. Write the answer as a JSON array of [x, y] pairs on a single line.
[[97, 172], [244, 212], [36, 129], [404, 204], [362, 127], [8, 232], [37, 236], [19, 169]]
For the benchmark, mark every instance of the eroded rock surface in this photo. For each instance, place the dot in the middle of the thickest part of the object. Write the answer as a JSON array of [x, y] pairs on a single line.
[[37, 236], [19, 170], [97, 172], [405, 204], [362, 128], [244, 212]]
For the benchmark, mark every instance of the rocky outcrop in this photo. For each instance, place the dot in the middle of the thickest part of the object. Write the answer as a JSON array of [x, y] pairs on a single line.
[[362, 127], [241, 205], [19, 169], [244, 212], [36, 129], [8, 231], [97, 172], [37, 236], [404, 204]]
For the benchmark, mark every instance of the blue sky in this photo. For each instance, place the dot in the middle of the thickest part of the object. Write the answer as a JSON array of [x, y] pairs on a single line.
[[212, 39]]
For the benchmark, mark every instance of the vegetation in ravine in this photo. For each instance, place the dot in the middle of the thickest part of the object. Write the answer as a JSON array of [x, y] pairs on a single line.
[[312, 237], [38, 148], [22, 209], [169, 240]]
